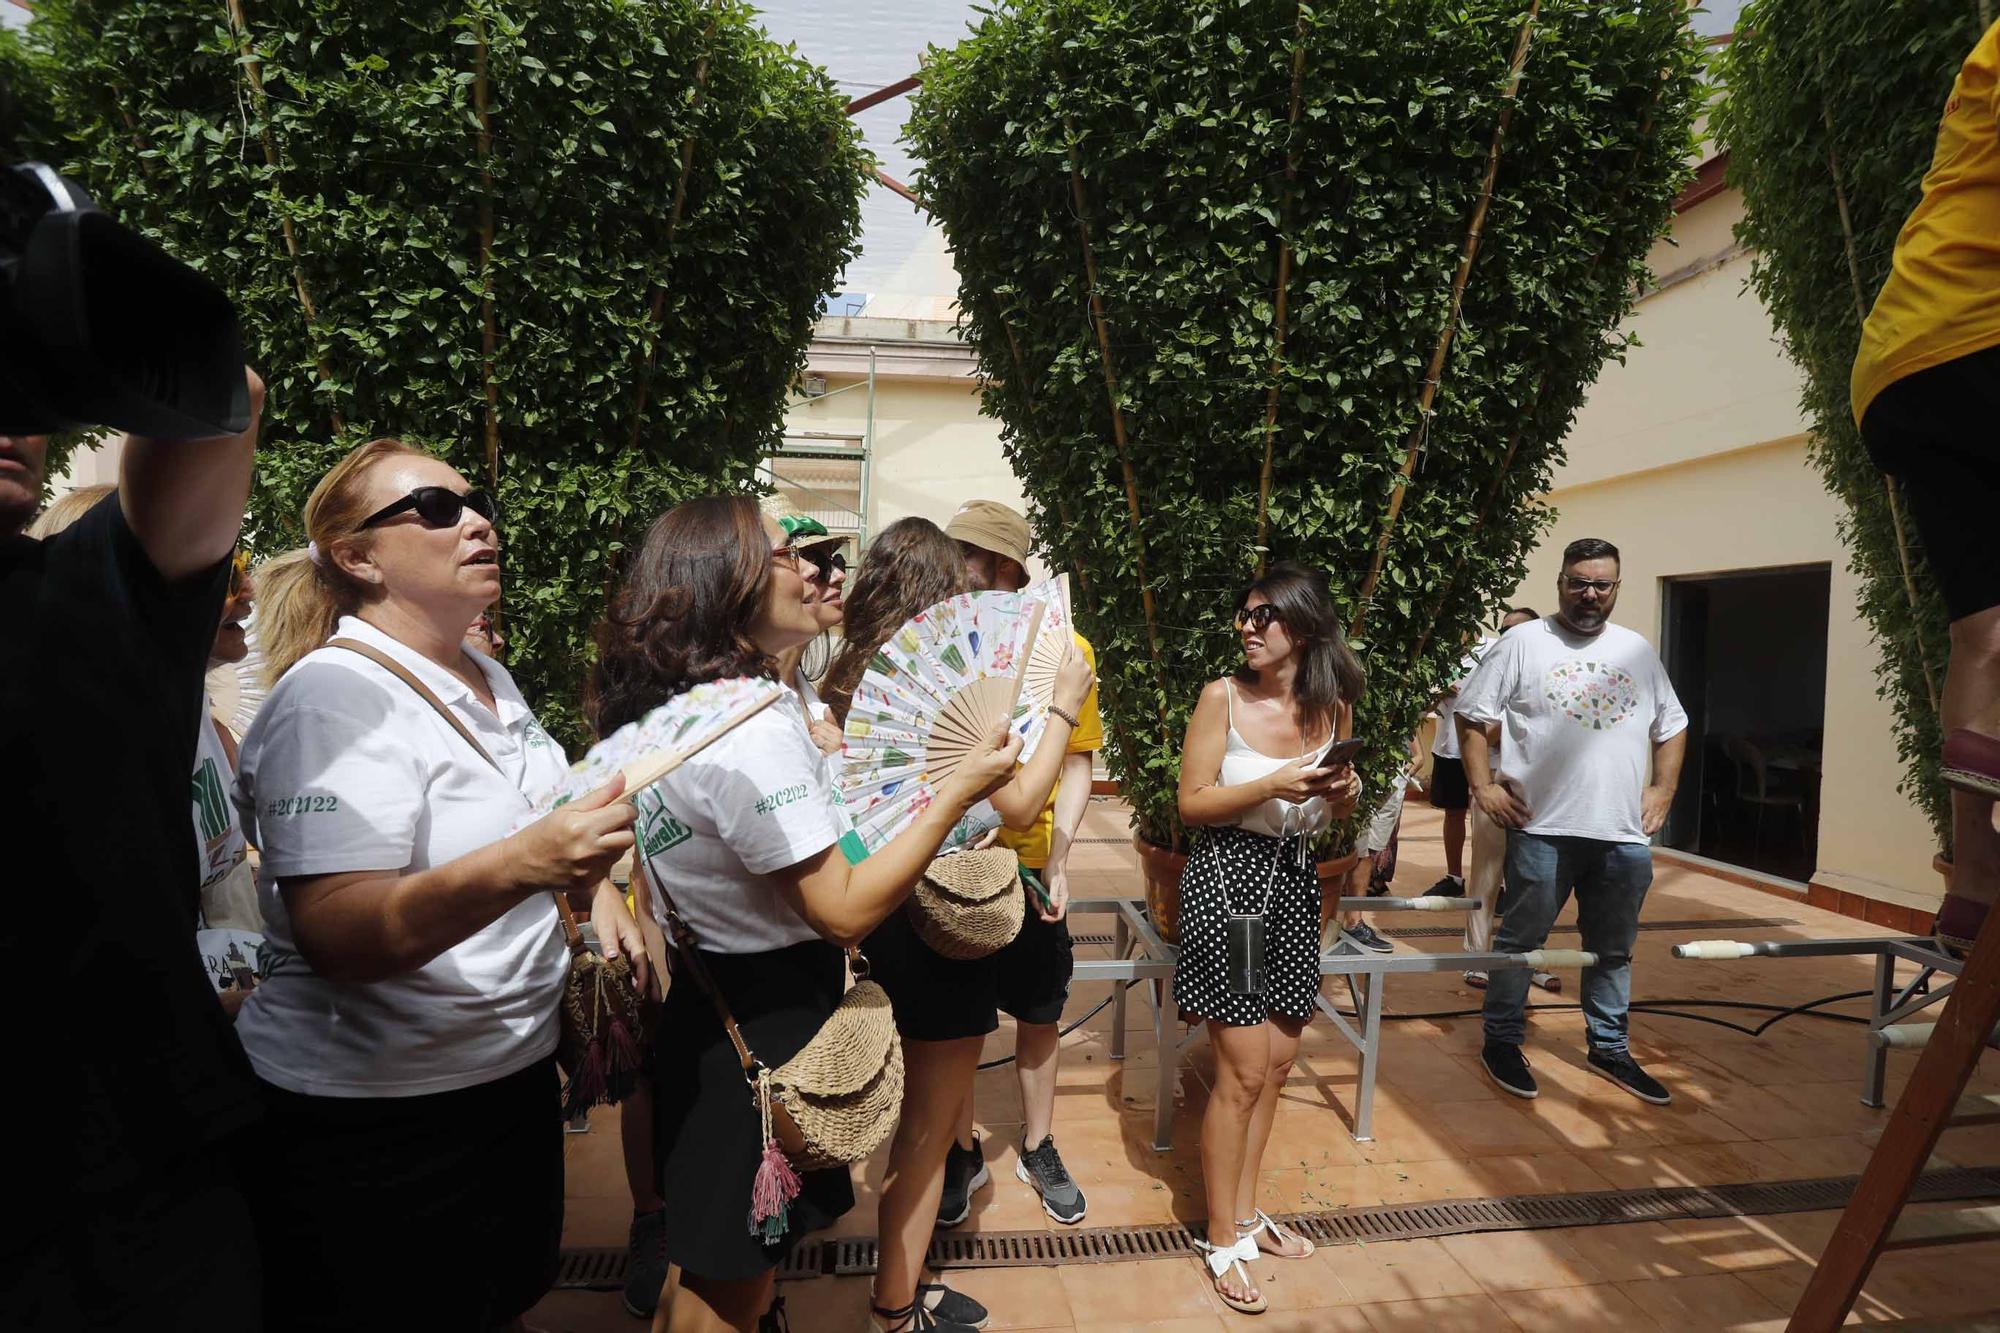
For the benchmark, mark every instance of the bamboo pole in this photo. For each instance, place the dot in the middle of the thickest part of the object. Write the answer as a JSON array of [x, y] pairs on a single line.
[[1434, 373], [1888, 482], [489, 330], [253, 73], [1284, 285], [659, 303], [1118, 426]]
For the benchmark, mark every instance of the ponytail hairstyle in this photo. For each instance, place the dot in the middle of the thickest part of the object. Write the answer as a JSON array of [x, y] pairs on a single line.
[[1329, 674], [686, 611], [293, 621], [280, 582], [910, 565]]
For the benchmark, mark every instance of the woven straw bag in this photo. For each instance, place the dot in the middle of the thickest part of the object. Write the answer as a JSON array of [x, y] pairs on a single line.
[[836, 1100], [969, 904]]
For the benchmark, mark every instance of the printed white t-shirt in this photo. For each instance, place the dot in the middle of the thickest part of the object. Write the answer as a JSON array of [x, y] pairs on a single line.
[[218, 831], [1445, 745], [347, 769], [715, 830], [1579, 717]]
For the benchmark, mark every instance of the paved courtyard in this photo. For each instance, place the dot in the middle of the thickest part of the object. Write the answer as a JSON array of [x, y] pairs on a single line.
[[1781, 1107]]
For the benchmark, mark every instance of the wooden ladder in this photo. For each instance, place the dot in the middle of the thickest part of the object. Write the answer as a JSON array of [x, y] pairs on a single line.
[[1933, 1101]]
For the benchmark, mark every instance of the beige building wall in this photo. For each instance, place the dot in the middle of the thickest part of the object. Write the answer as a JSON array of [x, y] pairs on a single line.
[[1691, 456]]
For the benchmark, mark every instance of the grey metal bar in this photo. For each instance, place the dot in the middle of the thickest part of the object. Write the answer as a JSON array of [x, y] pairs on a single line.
[[1121, 945], [1874, 1077], [1430, 902]]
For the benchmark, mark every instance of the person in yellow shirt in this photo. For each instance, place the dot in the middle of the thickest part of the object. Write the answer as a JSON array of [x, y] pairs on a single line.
[[1034, 970], [1926, 394]]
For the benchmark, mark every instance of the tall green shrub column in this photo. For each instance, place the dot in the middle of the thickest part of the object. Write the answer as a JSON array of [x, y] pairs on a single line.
[[1254, 280], [1830, 118], [576, 245]]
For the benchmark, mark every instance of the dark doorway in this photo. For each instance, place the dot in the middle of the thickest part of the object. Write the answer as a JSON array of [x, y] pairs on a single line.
[[1747, 655]]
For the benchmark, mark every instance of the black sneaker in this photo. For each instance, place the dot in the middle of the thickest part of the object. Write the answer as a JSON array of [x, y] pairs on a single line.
[[1365, 936], [1043, 1169], [964, 1173], [645, 1263], [1451, 886], [952, 1308], [913, 1318], [1622, 1069], [1506, 1066]]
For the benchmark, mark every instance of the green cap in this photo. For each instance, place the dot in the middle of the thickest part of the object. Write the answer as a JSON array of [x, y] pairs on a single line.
[[798, 525]]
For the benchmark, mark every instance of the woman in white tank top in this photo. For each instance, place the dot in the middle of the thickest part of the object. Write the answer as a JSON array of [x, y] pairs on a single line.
[[1250, 783]]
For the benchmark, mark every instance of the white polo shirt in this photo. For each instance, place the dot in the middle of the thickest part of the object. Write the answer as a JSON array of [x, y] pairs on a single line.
[[714, 831], [346, 769]]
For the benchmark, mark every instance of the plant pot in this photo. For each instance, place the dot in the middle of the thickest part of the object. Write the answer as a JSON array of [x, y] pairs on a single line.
[[1162, 870], [1942, 864]]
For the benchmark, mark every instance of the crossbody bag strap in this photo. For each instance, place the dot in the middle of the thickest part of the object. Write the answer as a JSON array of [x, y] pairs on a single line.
[[689, 949], [571, 934]]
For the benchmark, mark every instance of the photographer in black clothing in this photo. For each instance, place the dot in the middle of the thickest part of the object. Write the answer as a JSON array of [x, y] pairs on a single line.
[[125, 1211], [124, 1208]]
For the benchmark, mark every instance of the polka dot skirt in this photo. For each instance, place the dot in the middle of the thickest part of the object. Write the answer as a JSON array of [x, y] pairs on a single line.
[[1226, 872]]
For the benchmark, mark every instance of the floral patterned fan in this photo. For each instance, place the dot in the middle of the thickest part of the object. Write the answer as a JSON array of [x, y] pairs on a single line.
[[930, 695], [660, 742]]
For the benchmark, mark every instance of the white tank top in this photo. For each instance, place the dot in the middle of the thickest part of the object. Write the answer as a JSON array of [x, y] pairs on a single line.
[[1241, 764]]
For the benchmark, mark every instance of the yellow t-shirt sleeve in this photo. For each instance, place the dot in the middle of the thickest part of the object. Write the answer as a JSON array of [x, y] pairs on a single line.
[[1088, 737]]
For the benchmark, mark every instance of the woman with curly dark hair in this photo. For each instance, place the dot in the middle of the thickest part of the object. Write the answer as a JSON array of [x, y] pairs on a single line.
[[749, 842]]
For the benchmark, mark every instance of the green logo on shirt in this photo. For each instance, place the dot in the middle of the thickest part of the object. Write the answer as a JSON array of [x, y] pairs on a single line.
[[658, 829], [211, 806], [778, 800]]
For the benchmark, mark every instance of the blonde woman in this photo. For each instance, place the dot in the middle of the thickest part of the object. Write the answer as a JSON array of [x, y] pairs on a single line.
[[405, 1033]]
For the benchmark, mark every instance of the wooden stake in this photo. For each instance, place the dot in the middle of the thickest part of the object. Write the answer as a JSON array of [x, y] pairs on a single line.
[[1118, 426], [659, 305], [489, 331], [1888, 482], [253, 73], [1467, 253], [1284, 283]]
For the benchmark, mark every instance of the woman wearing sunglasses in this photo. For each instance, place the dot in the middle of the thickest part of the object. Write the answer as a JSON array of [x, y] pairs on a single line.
[[825, 570], [406, 1029], [761, 863], [1249, 957]]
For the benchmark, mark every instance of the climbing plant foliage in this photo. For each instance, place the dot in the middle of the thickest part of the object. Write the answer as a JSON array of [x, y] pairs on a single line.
[[1830, 119], [1208, 252], [576, 246]]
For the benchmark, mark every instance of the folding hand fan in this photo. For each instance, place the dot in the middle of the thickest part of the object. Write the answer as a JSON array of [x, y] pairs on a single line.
[[660, 742], [1045, 658], [930, 695]]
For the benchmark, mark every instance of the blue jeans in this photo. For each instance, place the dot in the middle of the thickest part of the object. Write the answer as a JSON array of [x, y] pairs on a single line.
[[1610, 880]]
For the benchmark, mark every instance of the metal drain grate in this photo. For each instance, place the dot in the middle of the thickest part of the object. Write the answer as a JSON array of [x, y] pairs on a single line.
[[844, 1256], [1734, 923]]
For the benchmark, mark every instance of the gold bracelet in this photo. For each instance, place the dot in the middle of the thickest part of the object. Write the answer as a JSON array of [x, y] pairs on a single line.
[[1067, 717]]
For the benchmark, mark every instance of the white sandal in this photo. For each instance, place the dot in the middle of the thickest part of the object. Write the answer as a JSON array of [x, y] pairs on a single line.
[[1263, 1221], [1222, 1258]]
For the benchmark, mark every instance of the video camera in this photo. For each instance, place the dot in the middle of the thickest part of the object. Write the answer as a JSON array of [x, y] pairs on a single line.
[[101, 327]]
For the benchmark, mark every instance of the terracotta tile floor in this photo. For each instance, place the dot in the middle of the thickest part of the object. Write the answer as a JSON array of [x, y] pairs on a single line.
[[1783, 1106]]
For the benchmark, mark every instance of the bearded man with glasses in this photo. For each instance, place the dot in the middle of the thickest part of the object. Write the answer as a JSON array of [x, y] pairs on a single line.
[[1583, 707]]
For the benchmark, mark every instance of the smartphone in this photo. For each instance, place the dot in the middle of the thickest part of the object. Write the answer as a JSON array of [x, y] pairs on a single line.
[[1036, 891], [1340, 754]]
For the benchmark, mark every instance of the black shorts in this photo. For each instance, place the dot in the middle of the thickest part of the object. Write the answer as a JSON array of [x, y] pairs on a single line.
[[1448, 787], [348, 1189], [933, 997], [1034, 970], [1938, 432]]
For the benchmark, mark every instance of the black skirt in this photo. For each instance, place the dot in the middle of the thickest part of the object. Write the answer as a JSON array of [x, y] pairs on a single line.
[[442, 1211], [709, 1138], [1227, 871]]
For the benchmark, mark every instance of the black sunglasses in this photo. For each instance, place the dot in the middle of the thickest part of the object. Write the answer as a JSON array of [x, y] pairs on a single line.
[[824, 560], [1258, 616], [437, 506]]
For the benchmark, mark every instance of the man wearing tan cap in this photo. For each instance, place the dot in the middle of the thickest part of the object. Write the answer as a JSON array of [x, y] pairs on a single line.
[[1034, 970]]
